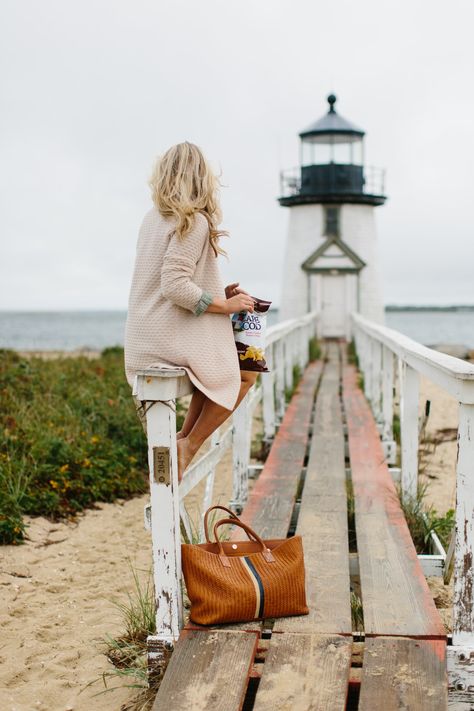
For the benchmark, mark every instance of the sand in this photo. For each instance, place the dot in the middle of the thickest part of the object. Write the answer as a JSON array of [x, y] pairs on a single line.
[[438, 454], [56, 604], [56, 601]]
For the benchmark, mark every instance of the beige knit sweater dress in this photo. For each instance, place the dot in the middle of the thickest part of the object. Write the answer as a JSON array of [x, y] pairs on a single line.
[[174, 280]]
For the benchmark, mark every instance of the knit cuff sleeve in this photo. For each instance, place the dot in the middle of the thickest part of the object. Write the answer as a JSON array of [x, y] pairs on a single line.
[[203, 303]]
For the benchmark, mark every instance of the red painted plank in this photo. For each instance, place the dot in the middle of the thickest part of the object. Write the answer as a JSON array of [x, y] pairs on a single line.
[[396, 597], [271, 500]]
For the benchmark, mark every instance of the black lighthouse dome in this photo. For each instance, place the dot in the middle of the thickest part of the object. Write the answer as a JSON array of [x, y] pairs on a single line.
[[332, 124], [331, 166]]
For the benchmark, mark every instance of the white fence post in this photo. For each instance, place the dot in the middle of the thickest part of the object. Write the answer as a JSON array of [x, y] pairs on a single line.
[[279, 365], [268, 387], [366, 367], [387, 393], [463, 627], [288, 347], [159, 395], [376, 379], [409, 381], [241, 428], [303, 346], [209, 487], [387, 404]]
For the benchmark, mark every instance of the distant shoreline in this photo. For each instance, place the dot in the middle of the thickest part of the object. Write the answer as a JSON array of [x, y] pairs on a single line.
[[454, 307]]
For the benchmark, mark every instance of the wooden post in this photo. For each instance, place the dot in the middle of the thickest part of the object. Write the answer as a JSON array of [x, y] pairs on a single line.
[[208, 491], [463, 603], [240, 455], [303, 346], [288, 346], [461, 653], [279, 364], [390, 447], [387, 393], [409, 397], [375, 367], [268, 380], [358, 343], [159, 390]]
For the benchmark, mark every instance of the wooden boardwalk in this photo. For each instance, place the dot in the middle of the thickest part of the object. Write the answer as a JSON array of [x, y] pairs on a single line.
[[306, 663]]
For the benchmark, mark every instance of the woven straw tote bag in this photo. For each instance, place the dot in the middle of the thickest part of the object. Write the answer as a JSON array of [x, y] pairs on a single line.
[[239, 581]]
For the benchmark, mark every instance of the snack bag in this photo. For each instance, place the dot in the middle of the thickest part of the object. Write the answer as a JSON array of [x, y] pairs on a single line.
[[249, 333]]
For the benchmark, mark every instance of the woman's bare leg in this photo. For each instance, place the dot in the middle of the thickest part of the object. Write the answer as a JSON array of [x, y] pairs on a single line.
[[210, 418], [194, 410]]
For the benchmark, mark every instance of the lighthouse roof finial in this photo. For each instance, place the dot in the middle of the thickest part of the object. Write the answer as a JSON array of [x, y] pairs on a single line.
[[332, 124]]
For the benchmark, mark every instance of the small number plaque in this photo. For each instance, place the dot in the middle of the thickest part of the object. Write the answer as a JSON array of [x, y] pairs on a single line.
[[161, 465]]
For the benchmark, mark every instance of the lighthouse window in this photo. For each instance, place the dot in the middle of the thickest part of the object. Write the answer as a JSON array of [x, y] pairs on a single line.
[[332, 221]]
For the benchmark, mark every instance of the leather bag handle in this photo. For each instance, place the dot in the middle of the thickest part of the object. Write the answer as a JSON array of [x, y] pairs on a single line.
[[266, 552], [206, 517]]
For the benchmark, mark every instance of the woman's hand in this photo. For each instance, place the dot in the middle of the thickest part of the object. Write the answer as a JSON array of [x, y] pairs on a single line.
[[233, 290], [239, 302]]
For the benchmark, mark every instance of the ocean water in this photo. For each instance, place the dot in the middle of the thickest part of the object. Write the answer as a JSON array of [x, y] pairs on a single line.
[[68, 330], [434, 327]]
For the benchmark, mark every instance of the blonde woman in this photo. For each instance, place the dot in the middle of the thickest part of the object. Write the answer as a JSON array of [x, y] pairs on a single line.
[[178, 309]]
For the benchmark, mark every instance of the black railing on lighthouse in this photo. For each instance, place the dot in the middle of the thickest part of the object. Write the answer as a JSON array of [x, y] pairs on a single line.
[[343, 179]]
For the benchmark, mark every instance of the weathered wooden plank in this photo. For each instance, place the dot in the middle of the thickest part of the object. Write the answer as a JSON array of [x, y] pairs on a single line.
[[322, 518], [463, 614], [305, 673], [271, 500], [402, 673], [396, 597], [207, 670]]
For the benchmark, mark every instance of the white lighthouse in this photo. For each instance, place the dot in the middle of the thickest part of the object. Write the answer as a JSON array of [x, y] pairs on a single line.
[[331, 260]]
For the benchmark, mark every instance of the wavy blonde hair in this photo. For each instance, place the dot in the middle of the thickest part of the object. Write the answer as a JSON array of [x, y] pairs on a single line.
[[182, 184]]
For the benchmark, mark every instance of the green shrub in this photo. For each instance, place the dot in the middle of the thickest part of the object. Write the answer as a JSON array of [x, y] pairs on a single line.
[[69, 437], [422, 519]]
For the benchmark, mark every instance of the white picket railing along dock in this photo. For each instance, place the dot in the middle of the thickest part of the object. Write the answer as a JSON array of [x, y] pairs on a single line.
[[287, 346]]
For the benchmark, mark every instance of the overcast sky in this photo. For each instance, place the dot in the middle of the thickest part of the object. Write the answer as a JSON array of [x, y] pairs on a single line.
[[93, 91]]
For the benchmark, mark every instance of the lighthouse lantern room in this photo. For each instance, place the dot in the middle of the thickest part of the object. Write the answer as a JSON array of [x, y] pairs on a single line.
[[331, 260]]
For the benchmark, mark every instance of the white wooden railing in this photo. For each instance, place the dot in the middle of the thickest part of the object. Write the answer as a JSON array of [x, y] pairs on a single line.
[[287, 345], [385, 354]]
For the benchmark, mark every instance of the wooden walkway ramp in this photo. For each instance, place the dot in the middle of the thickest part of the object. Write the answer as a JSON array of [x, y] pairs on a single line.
[[308, 663]]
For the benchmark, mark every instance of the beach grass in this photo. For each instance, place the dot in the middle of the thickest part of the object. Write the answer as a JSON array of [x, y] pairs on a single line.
[[69, 437], [127, 653], [423, 519]]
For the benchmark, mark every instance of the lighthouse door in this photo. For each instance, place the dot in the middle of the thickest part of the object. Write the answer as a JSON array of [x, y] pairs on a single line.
[[333, 305]]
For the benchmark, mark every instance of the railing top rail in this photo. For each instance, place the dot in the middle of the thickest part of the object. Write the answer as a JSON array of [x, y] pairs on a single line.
[[456, 376], [403, 345]]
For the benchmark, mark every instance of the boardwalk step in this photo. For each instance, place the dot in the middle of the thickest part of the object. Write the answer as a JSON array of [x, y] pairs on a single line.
[[304, 671], [402, 673], [207, 670]]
